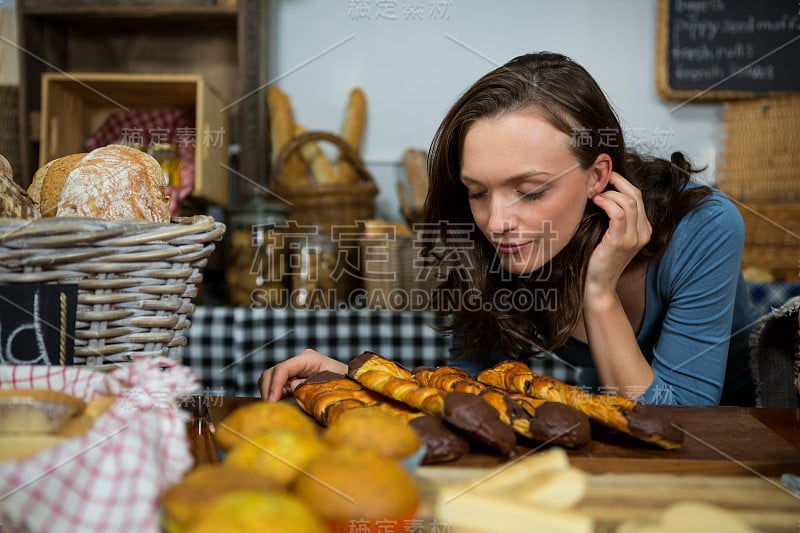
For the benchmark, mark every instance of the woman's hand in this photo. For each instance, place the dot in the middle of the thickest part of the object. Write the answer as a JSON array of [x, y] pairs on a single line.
[[628, 232], [283, 378]]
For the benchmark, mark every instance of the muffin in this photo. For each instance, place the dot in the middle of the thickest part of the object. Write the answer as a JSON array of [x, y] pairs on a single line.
[[259, 417], [360, 489], [246, 511], [370, 428], [278, 455], [202, 487]]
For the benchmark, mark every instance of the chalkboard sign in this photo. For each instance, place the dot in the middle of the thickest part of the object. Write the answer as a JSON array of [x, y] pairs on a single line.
[[37, 323], [726, 49]]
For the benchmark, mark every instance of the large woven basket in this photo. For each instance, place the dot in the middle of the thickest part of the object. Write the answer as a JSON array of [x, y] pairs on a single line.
[[327, 205], [759, 170], [136, 280]]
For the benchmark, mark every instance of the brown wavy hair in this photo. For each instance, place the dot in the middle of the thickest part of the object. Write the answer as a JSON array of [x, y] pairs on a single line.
[[565, 94]]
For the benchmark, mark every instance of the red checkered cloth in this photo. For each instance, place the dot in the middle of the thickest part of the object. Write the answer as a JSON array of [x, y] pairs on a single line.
[[175, 126], [112, 477]]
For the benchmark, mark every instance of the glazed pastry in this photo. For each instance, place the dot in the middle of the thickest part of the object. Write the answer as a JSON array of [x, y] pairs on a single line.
[[328, 395], [546, 421], [627, 416], [467, 412]]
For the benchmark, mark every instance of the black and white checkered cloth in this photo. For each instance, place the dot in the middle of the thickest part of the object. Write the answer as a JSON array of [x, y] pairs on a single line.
[[229, 347]]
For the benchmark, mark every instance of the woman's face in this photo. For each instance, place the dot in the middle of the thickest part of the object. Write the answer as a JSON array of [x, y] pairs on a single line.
[[526, 190]]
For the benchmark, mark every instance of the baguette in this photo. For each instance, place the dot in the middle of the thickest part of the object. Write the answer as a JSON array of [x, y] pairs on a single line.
[[282, 129], [415, 162], [621, 414], [352, 132], [316, 160]]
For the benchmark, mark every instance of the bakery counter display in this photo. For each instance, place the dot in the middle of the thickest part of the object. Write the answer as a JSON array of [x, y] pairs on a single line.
[[99, 222], [497, 453]]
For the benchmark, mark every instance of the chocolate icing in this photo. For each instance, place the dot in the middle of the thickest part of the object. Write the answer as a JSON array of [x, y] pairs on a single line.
[[479, 419], [561, 424], [441, 442], [356, 363], [323, 377], [649, 421]]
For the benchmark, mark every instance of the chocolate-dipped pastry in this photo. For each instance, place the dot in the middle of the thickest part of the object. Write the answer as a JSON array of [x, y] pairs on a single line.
[[624, 415], [327, 395], [441, 442], [557, 424], [472, 415], [475, 416]]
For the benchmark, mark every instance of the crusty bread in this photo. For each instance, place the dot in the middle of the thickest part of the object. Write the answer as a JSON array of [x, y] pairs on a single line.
[[53, 182], [14, 201], [35, 188], [321, 168], [282, 130], [355, 120], [114, 182]]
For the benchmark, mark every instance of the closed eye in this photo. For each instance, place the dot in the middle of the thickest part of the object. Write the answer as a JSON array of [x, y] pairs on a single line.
[[530, 196]]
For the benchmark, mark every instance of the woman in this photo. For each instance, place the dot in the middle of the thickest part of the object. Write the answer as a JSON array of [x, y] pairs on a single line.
[[640, 269]]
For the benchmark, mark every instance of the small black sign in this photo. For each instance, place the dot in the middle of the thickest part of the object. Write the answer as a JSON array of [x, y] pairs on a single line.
[[37, 323]]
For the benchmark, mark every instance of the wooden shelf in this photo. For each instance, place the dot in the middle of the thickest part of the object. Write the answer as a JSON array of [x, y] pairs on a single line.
[[221, 41]]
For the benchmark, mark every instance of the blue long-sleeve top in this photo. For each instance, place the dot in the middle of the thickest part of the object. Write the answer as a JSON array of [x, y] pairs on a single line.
[[698, 316]]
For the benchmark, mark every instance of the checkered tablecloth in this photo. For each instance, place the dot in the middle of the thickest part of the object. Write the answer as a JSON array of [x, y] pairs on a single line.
[[229, 347]]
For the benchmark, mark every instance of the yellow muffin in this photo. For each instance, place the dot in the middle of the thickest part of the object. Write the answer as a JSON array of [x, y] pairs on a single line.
[[203, 486], [246, 511], [373, 429], [279, 455], [259, 417], [348, 487]]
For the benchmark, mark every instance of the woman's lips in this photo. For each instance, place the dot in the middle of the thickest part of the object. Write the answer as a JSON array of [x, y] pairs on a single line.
[[509, 248]]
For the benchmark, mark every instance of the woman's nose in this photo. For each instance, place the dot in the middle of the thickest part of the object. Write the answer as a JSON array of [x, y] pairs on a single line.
[[501, 215]]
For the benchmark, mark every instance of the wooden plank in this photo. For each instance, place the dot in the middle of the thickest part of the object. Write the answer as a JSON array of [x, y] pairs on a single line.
[[9, 63], [612, 499]]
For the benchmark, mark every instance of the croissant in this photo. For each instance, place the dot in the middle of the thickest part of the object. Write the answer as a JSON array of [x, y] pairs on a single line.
[[465, 411], [547, 422], [327, 395], [621, 414]]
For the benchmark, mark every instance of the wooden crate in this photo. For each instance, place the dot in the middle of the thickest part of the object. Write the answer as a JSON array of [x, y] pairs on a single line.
[[74, 105]]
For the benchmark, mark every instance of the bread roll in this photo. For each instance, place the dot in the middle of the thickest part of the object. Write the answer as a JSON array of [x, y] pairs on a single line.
[[114, 182], [52, 182], [35, 188], [14, 201]]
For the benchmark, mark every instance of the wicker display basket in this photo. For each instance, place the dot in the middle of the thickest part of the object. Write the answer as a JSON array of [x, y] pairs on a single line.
[[759, 170], [136, 280], [326, 205]]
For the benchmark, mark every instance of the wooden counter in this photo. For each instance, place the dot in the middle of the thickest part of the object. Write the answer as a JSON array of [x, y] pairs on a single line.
[[731, 458]]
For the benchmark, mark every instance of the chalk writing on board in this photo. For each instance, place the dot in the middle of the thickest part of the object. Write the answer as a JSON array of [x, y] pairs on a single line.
[[37, 323], [735, 45]]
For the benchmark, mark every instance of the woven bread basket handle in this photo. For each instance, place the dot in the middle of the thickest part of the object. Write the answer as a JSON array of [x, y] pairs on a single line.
[[345, 149]]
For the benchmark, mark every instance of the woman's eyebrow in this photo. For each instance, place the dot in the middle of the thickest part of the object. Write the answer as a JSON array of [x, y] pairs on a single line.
[[515, 178]]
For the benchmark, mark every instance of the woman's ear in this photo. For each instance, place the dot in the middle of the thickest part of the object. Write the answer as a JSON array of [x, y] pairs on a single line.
[[599, 174]]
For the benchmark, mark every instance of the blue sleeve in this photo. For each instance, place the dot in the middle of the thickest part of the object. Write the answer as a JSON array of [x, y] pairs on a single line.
[[697, 278]]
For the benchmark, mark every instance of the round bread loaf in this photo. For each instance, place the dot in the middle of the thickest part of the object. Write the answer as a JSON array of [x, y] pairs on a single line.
[[14, 201], [35, 188], [52, 182], [115, 182]]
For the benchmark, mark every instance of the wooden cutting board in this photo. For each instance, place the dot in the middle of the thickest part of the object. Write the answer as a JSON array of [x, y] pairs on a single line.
[[614, 499]]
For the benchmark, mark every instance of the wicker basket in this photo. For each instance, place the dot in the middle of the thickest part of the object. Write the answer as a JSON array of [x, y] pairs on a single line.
[[136, 280], [759, 169], [772, 236], [327, 205], [400, 279]]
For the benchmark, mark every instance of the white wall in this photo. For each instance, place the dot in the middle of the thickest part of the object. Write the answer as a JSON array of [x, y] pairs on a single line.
[[412, 65]]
